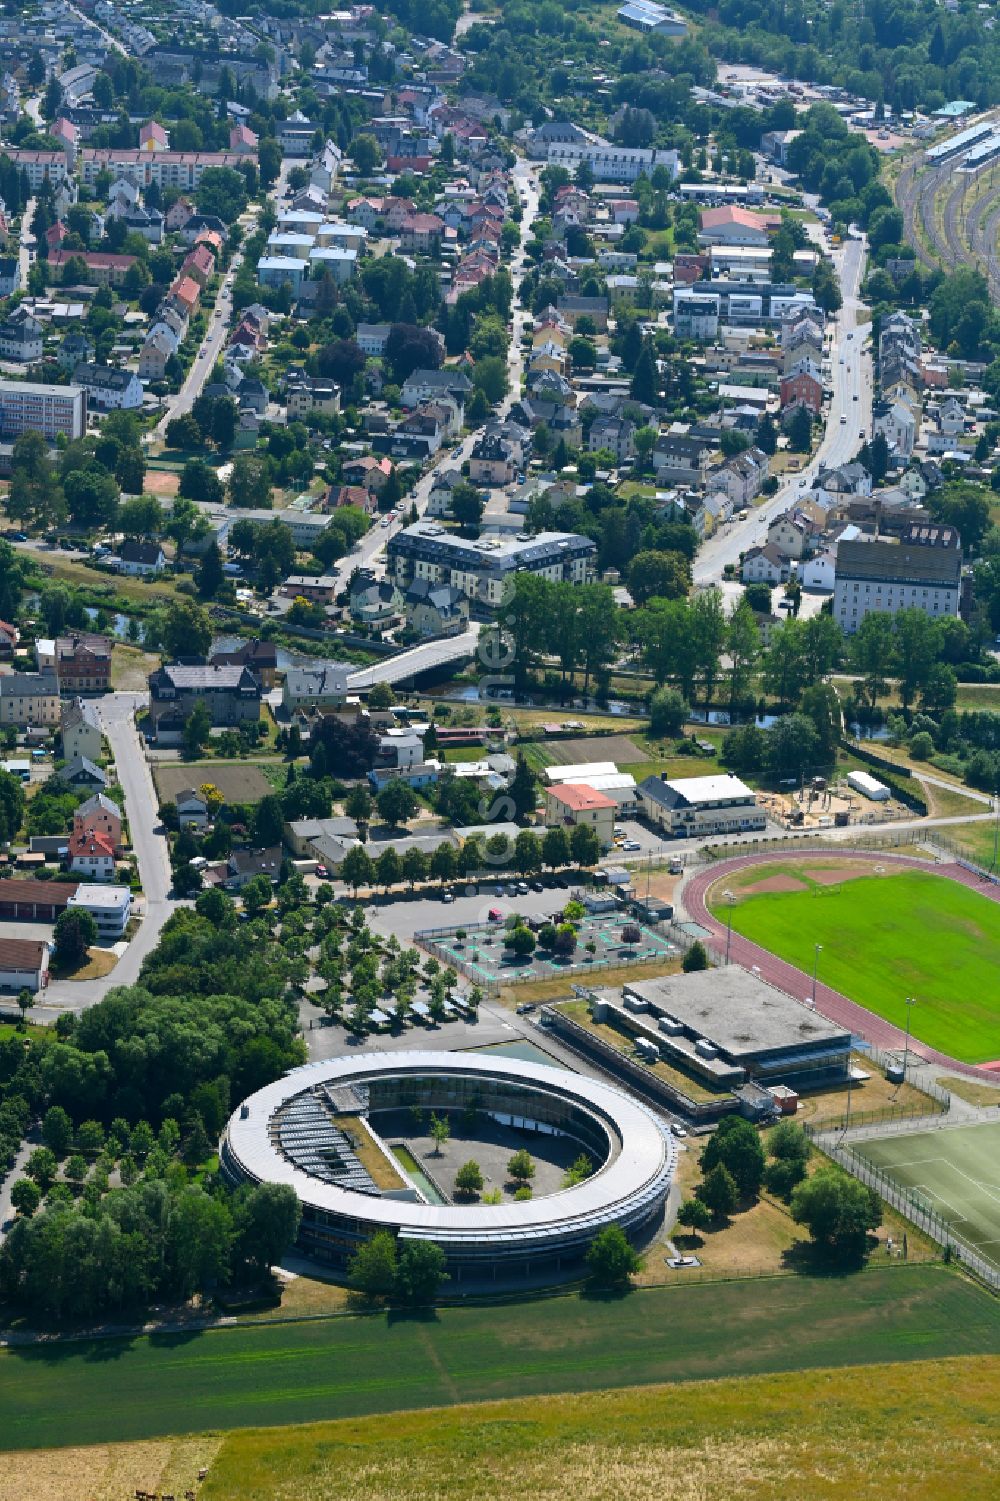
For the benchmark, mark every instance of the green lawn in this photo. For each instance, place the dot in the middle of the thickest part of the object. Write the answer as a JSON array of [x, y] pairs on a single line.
[[889, 937], [94, 1392], [955, 1173]]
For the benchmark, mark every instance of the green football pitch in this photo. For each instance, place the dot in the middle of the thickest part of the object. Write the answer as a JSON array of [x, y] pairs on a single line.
[[955, 1173], [884, 938]]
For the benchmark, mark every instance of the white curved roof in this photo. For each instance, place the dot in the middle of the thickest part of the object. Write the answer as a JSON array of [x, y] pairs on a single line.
[[640, 1167]]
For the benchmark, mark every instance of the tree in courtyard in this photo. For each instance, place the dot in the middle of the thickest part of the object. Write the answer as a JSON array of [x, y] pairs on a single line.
[[197, 730], [388, 868], [440, 1132], [358, 804], [397, 802], [719, 1192], [838, 1211], [521, 1166], [469, 1179], [74, 932], [420, 1271], [612, 1260], [257, 894], [522, 789]]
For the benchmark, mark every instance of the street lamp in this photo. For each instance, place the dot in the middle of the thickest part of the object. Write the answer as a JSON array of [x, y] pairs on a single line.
[[731, 899], [910, 1001], [818, 950]]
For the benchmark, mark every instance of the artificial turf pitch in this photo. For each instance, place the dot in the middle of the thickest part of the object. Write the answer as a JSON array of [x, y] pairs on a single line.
[[954, 1172], [885, 938], [119, 1389]]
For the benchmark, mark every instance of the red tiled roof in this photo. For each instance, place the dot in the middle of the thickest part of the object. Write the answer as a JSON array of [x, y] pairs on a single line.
[[579, 799]]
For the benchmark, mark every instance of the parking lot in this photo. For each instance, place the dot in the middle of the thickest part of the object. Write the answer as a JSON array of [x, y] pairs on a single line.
[[600, 942], [405, 916]]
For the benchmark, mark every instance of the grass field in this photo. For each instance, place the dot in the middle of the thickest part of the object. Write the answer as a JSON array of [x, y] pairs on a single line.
[[900, 1432], [885, 938], [955, 1172], [895, 1432], [109, 1390]]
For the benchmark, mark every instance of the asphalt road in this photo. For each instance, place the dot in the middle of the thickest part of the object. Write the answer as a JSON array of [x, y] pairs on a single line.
[[368, 552], [220, 323], [118, 717], [851, 378]]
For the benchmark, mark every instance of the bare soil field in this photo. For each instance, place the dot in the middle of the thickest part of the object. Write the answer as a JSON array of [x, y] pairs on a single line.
[[238, 783], [618, 748]]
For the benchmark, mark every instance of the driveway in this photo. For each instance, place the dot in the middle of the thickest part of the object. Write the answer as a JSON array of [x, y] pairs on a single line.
[[117, 712]]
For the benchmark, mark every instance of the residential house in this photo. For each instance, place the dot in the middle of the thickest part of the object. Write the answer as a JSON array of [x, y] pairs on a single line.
[[80, 729], [81, 662], [91, 856], [371, 338], [491, 461], [29, 698], [9, 638], [436, 609], [764, 565], [898, 426], [21, 337], [141, 559], [321, 684], [192, 809], [261, 657], [374, 601], [81, 772], [109, 389], [99, 815], [788, 536], [572, 805], [802, 389], [681, 460], [616, 435]]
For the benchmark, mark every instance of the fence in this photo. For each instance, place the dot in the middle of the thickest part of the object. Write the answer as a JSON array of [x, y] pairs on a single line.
[[913, 1208]]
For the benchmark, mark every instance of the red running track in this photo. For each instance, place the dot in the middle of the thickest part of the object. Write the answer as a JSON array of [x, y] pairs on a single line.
[[795, 982]]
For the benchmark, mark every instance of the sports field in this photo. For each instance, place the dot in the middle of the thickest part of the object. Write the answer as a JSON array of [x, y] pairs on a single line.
[[956, 1173], [109, 1390], [904, 933]]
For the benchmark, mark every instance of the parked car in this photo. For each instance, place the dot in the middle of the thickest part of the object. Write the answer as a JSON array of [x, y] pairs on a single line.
[[631, 845], [678, 1129], [322, 872], [448, 896]]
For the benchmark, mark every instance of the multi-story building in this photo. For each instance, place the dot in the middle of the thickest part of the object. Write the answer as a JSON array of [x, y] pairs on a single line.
[[39, 166], [482, 568], [81, 662], [109, 906], [21, 337], [231, 695], [168, 169], [108, 388], [28, 407], [81, 731], [694, 807], [887, 577], [29, 698]]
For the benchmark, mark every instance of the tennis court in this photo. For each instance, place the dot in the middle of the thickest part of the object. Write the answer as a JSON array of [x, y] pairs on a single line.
[[955, 1173]]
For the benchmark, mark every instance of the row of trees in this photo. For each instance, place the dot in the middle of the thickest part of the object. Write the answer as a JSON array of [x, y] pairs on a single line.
[[527, 854]]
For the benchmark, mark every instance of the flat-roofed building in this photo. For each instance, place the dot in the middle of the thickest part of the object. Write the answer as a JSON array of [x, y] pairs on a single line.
[[729, 1018], [692, 807], [31, 407]]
